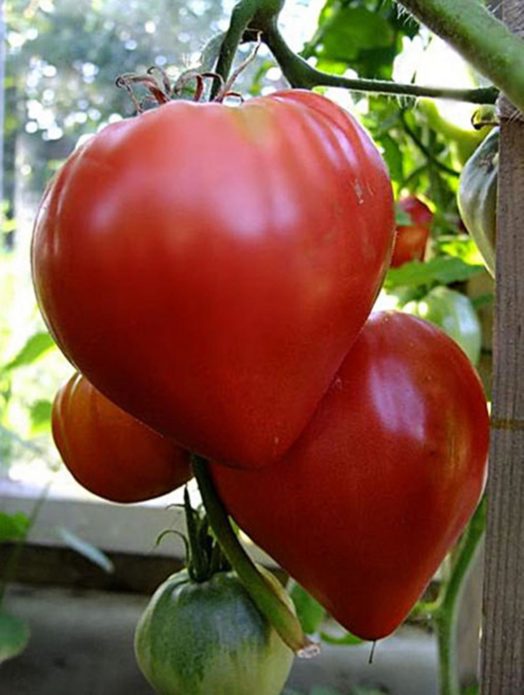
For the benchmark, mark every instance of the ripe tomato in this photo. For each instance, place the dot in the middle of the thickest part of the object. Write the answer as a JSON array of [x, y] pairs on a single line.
[[111, 453], [410, 241], [367, 502], [207, 267]]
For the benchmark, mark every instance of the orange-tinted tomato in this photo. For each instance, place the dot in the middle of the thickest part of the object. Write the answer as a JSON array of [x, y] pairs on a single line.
[[109, 452]]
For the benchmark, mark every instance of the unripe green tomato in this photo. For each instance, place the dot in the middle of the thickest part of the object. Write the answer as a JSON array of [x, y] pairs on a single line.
[[208, 638], [455, 314], [477, 197]]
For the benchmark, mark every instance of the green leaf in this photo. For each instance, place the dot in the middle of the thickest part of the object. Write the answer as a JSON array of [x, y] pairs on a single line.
[[346, 639], [35, 347], [14, 636], [86, 549], [395, 163], [309, 611], [13, 527], [355, 29], [40, 414], [482, 300], [323, 690], [471, 690], [363, 690], [461, 246], [443, 270]]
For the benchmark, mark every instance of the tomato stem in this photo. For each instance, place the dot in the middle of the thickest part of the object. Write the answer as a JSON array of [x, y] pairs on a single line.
[[299, 73], [266, 600], [446, 616], [252, 16], [241, 16], [13, 559], [482, 39]]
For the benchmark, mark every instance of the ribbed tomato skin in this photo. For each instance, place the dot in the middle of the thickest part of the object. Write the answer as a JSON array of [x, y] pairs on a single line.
[[366, 504], [208, 267]]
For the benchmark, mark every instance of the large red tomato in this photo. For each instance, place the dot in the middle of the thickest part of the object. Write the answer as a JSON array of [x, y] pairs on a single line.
[[411, 239], [365, 505], [109, 452], [208, 267]]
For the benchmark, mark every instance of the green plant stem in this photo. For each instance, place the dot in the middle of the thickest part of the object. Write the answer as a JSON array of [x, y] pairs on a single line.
[[266, 600], [446, 616], [300, 74], [14, 557], [241, 16], [482, 39], [425, 150]]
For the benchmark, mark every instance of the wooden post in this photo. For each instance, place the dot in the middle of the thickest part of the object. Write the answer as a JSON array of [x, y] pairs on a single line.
[[503, 630]]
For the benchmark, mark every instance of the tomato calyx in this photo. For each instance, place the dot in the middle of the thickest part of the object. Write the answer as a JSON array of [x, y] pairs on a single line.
[[162, 90], [204, 555]]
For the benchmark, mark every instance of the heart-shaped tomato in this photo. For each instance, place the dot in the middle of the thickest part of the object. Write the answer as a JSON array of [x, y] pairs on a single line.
[[208, 267], [365, 505]]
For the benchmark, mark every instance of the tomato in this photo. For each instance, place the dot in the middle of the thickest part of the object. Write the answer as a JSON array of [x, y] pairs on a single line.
[[410, 241], [366, 504], [207, 267], [109, 452], [198, 638], [455, 314], [477, 197]]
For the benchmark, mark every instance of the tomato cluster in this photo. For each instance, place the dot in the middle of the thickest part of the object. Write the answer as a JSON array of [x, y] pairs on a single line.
[[211, 270]]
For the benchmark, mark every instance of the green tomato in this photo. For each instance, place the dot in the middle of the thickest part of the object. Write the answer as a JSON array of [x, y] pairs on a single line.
[[477, 197], [455, 314], [208, 638]]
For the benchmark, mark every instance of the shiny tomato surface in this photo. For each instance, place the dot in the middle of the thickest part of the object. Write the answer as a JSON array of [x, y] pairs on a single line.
[[208, 267], [411, 240], [109, 452], [365, 505]]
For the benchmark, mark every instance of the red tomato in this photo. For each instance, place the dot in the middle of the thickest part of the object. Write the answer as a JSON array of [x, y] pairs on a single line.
[[208, 267], [111, 453], [410, 241], [366, 504]]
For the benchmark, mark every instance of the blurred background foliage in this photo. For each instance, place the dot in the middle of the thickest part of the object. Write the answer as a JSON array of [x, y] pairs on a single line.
[[62, 59]]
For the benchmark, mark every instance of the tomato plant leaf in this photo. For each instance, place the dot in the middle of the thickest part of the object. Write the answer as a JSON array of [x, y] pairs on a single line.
[[88, 550], [355, 29], [35, 347], [393, 156], [40, 414], [345, 639], [13, 527], [323, 690], [443, 270], [14, 636], [309, 611], [461, 246]]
